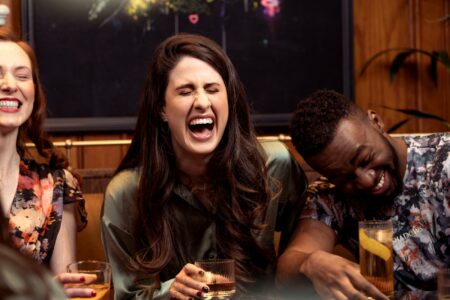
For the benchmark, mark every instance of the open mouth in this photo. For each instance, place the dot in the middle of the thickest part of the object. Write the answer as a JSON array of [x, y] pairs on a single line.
[[201, 125], [380, 182], [10, 104]]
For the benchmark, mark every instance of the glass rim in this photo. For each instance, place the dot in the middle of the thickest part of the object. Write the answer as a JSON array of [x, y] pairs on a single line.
[[106, 264], [214, 260], [374, 222]]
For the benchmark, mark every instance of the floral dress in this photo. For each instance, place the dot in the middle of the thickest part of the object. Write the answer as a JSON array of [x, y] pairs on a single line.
[[36, 211]]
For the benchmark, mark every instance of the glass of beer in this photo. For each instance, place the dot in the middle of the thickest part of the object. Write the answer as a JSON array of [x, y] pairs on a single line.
[[443, 284], [98, 277], [219, 277], [375, 254]]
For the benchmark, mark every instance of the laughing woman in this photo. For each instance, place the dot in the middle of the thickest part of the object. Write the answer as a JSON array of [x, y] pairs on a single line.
[[42, 200], [195, 182]]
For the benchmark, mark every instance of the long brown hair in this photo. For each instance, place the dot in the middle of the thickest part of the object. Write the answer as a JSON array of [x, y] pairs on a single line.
[[33, 128], [240, 185]]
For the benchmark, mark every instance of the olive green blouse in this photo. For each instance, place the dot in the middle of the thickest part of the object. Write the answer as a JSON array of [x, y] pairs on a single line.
[[196, 224]]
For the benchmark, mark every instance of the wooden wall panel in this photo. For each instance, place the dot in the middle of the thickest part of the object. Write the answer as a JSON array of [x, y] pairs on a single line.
[[380, 25], [433, 35], [103, 156], [71, 153], [13, 21], [383, 24], [94, 157]]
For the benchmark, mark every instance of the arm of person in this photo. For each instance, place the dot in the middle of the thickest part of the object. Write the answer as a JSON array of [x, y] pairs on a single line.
[[121, 245], [290, 185], [309, 255], [65, 247], [73, 219], [65, 253], [310, 236]]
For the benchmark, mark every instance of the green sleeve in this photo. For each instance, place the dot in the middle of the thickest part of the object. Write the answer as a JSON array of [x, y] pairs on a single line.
[[284, 169], [120, 244]]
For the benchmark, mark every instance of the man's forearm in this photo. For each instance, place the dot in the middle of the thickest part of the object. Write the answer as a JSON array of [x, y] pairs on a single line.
[[289, 267]]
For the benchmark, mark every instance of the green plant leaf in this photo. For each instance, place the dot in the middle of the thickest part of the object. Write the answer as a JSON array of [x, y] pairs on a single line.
[[398, 62], [375, 56], [444, 58], [432, 68], [435, 57], [442, 19], [397, 126], [419, 114]]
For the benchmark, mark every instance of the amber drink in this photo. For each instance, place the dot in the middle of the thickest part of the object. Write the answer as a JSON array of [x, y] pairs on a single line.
[[219, 277], [443, 284], [375, 254], [97, 277]]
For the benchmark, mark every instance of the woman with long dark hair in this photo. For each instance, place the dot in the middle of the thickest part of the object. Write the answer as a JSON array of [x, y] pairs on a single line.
[[195, 182]]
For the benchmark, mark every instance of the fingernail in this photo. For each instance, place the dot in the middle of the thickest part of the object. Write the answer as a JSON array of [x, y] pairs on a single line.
[[82, 279], [93, 293], [199, 294], [201, 272], [205, 289]]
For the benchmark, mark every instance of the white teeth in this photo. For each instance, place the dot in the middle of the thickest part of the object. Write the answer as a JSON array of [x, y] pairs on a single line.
[[381, 182], [9, 104], [201, 121]]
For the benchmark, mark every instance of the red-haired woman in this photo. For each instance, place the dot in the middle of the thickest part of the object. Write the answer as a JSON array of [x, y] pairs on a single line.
[[42, 200]]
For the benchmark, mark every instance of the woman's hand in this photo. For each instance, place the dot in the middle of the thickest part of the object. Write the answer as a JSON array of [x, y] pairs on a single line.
[[187, 285], [335, 277], [72, 281]]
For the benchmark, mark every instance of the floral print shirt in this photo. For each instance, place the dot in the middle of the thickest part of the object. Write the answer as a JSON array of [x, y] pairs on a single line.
[[422, 213], [36, 211]]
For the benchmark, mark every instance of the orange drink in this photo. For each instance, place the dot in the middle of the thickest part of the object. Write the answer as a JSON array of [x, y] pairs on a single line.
[[375, 254], [98, 277], [219, 276]]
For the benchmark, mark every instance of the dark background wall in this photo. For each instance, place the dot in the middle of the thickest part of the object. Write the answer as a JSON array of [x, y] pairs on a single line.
[[96, 68], [377, 25]]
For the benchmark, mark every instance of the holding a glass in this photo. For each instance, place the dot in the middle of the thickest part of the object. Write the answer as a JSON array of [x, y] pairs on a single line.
[[443, 284], [375, 254], [97, 276], [219, 276]]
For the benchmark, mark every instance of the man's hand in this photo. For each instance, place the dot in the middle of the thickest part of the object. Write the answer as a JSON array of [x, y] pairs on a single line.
[[335, 277]]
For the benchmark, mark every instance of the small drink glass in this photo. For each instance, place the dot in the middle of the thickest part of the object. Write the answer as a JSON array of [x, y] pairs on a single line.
[[101, 282], [443, 284], [375, 254], [219, 277]]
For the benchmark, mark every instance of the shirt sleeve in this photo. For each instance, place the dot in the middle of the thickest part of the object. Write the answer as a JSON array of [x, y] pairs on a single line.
[[73, 194], [120, 244], [290, 185], [324, 205]]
